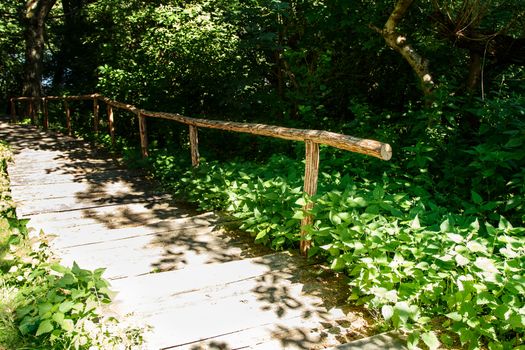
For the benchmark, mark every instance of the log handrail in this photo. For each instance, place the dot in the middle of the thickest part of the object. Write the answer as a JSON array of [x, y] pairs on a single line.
[[311, 138]]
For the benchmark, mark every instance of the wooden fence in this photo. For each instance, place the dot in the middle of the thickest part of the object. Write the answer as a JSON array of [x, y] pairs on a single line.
[[311, 138]]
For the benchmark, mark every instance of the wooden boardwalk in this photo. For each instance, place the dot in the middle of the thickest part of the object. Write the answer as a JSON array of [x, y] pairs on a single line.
[[196, 284]]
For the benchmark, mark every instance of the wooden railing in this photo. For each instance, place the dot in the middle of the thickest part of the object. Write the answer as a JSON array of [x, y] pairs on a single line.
[[311, 138]]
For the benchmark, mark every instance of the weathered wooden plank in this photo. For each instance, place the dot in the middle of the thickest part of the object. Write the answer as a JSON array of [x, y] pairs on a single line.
[[110, 214], [277, 296], [80, 190], [82, 201], [97, 233], [71, 176]]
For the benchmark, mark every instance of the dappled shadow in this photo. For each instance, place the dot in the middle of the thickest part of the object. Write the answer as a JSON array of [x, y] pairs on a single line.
[[105, 216], [68, 185]]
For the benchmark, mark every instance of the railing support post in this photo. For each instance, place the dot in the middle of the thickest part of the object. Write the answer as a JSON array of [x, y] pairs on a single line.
[[311, 173], [31, 111], [95, 114], [46, 113], [111, 125], [194, 145], [13, 110], [68, 118], [143, 135]]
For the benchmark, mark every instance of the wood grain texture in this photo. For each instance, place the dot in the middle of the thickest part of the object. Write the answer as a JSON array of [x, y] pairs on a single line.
[[194, 146], [311, 173], [143, 131]]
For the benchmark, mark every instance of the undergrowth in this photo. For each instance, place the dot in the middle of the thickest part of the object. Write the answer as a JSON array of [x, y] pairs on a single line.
[[44, 305]]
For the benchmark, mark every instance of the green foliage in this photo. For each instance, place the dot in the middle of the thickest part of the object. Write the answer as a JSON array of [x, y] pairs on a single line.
[[437, 262]]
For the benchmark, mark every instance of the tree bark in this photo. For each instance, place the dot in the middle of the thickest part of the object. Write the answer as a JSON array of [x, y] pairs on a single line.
[[36, 12], [399, 43]]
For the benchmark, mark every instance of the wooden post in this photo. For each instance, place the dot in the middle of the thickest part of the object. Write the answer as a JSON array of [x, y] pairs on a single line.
[[68, 118], [111, 125], [46, 113], [143, 135], [31, 111], [311, 173], [194, 144], [95, 114], [13, 110]]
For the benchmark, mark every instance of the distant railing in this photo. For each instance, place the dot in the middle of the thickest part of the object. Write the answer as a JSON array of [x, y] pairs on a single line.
[[311, 138]]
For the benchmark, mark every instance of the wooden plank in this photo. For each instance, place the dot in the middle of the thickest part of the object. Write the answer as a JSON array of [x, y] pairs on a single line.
[[110, 214], [146, 253], [97, 233], [277, 296], [83, 201], [72, 177]]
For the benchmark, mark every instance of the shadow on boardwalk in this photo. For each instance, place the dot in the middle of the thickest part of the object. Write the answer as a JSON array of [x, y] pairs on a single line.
[[217, 290]]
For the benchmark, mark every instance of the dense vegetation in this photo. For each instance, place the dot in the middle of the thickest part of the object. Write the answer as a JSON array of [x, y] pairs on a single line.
[[432, 240], [44, 305]]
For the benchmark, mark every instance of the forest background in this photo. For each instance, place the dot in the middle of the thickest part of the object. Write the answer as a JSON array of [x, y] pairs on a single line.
[[442, 81]]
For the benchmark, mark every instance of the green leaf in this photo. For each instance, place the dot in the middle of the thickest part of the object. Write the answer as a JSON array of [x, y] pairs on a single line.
[[45, 327], [387, 311], [301, 201], [261, 234], [445, 226], [413, 340], [67, 325], [66, 306], [58, 317], [485, 264], [298, 214], [334, 218], [461, 260], [431, 340], [476, 198], [44, 308], [338, 264], [454, 316], [415, 223]]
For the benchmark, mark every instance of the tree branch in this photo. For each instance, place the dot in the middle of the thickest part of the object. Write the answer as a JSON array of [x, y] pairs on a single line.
[[399, 43]]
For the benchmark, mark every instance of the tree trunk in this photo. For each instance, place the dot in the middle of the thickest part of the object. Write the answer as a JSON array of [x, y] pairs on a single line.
[[36, 12]]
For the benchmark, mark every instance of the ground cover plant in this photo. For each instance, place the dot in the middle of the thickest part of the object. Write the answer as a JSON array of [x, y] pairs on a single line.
[[44, 305], [444, 266]]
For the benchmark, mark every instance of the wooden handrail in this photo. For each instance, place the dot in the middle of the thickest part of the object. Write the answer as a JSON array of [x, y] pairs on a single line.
[[311, 138]]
